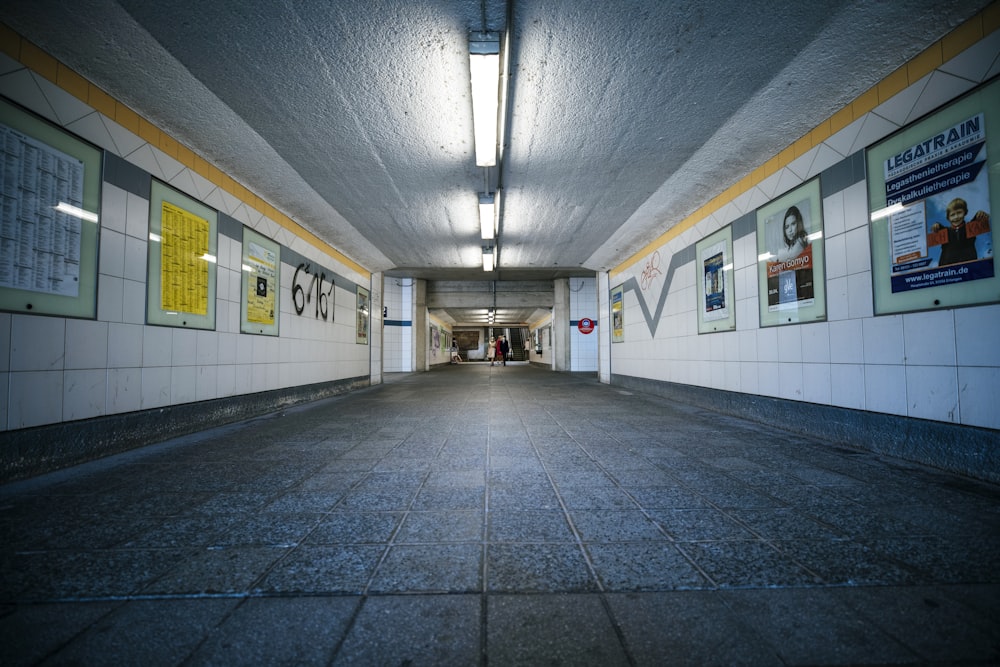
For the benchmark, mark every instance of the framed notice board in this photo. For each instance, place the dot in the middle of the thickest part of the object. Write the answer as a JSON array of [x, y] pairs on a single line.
[[364, 305], [932, 188], [790, 258], [183, 247], [50, 192], [261, 271], [714, 282]]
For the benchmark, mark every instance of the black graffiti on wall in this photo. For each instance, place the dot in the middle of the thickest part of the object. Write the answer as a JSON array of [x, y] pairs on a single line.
[[301, 296]]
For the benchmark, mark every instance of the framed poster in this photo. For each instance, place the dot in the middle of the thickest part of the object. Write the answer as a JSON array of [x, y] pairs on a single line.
[[618, 314], [50, 183], [363, 308], [183, 246], [714, 282], [930, 191], [261, 271], [790, 258]]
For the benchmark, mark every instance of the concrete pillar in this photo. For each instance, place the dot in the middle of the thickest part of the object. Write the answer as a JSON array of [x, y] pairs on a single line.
[[376, 328], [604, 327], [560, 325], [420, 341]]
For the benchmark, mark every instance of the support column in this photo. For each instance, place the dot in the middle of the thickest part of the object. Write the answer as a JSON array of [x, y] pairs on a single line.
[[420, 342], [560, 325], [604, 327], [376, 328]]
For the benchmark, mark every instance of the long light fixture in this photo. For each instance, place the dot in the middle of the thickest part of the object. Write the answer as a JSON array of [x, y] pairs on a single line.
[[487, 216], [488, 258], [484, 63]]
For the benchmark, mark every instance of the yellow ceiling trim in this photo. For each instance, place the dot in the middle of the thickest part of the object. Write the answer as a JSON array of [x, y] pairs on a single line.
[[923, 64], [29, 55]]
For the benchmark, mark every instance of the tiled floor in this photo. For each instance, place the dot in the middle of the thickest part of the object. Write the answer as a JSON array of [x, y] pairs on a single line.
[[503, 515]]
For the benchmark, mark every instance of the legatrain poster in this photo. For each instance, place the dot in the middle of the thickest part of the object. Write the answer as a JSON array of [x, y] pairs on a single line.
[[936, 226], [932, 238]]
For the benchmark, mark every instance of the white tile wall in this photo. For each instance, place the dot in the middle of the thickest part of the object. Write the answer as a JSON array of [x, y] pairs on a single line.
[[397, 340], [54, 369], [583, 303], [941, 365]]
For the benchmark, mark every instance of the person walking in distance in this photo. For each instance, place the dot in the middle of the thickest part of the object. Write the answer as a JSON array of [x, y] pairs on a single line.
[[504, 349]]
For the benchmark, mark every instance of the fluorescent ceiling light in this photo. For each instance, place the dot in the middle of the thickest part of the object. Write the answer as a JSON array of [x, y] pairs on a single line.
[[488, 258], [484, 64], [887, 211], [487, 216], [76, 212]]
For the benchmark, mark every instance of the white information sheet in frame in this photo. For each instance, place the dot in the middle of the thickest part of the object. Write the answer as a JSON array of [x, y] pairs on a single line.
[[50, 190]]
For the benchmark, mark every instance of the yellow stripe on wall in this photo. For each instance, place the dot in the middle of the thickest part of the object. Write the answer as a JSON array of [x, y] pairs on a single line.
[[29, 55]]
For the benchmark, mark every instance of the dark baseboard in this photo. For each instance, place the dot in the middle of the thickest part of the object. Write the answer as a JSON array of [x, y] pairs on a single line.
[[967, 450], [42, 449]]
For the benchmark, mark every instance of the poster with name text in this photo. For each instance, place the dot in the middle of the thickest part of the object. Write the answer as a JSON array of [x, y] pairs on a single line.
[[790, 260]]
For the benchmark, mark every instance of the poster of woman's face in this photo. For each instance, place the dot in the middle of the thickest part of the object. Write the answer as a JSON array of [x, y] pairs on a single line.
[[790, 257]]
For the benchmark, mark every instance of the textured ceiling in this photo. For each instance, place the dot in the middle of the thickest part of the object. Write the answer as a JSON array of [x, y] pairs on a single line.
[[355, 118]]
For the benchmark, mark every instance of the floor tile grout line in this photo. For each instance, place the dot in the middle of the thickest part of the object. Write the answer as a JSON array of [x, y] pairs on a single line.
[[569, 519], [391, 542]]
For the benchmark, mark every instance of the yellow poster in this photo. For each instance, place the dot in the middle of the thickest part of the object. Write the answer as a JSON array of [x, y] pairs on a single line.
[[261, 288], [184, 261]]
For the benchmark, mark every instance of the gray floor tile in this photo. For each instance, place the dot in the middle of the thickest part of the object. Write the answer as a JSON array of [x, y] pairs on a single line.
[[441, 526], [532, 568], [615, 526], [694, 525], [747, 564], [350, 527], [653, 566], [934, 623], [529, 526], [581, 524], [813, 626], [688, 628], [334, 569], [552, 630], [436, 568], [29, 633], [215, 571], [425, 630], [279, 631], [147, 632]]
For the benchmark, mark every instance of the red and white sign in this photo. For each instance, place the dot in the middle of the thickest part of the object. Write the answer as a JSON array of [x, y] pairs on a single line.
[[585, 325]]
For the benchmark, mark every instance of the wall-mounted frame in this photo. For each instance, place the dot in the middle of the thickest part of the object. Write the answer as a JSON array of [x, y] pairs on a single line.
[[714, 282], [790, 258], [364, 306], [183, 247], [931, 191], [618, 314], [261, 272], [49, 217]]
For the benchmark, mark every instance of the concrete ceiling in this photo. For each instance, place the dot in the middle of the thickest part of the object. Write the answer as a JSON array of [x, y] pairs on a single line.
[[355, 118]]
